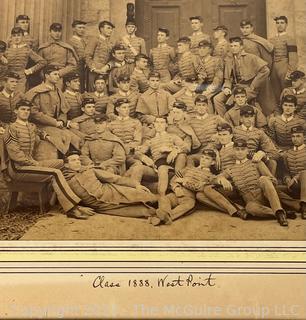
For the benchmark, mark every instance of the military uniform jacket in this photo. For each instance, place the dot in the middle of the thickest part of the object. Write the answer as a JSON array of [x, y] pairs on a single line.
[[131, 95], [7, 107], [134, 45], [61, 54], [74, 103], [295, 160], [301, 100], [251, 69]]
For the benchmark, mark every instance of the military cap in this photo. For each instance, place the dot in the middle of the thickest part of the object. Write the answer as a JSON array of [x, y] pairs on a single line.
[[13, 75], [180, 105], [88, 101], [22, 17], [184, 40], [118, 47], [50, 68], [55, 26], [121, 101], [224, 127], [239, 90], [204, 43], [196, 18], [191, 79], [131, 22], [209, 152], [78, 22], [289, 98], [2, 46], [240, 143], [141, 56], [247, 111], [123, 78], [201, 98], [101, 76], [245, 22], [17, 30], [164, 30], [71, 153], [24, 103], [104, 23], [297, 129], [281, 18], [297, 74], [154, 74], [71, 76], [221, 27], [235, 39]]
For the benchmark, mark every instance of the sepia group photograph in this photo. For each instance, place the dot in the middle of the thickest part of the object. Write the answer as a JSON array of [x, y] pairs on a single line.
[[153, 120]]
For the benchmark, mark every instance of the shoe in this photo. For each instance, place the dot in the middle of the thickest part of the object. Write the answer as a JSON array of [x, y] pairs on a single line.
[[291, 214], [86, 210], [242, 214], [163, 216], [155, 221], [77, 214], [303, 210], [281, 218]]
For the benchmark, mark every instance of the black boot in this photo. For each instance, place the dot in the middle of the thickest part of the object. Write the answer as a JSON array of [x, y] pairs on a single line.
[[281, 218]]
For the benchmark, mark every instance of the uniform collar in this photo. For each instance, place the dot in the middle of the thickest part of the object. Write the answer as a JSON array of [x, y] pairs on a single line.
[[123, 118], [230, 144], [131, 35], [138, 70], [6, 94], [286, 119], [204, 169], [202, 117], [159, 134], [124, 94], [197, 33], [189, 93], [22, 45], [97, 94], [151, 91], [76, 37], [244, 128], [162, 45], [281, 33], [101, 36], [207, 58], [119, 64], [299, 148], [25, 33], [242, 161], [23, 123], [222, 41], [72, 93]]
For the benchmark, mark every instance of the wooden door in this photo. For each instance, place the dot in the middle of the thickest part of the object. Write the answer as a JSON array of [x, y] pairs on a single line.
[[174, 15]]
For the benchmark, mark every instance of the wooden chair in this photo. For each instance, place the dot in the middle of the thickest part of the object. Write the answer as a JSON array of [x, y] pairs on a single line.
[[14, 187]]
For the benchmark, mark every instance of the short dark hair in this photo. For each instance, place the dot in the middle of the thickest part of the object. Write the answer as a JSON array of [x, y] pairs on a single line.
[[164, 30], [104, 23], [69, 154], [236, 39]]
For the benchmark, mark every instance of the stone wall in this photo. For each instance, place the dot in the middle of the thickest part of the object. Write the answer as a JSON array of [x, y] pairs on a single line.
[[295, 10]]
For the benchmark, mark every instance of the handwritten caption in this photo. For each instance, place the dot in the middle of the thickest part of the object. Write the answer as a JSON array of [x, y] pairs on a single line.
[[165, 281]]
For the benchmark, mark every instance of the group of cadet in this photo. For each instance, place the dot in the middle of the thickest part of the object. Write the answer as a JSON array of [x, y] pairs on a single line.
[[119, 130]]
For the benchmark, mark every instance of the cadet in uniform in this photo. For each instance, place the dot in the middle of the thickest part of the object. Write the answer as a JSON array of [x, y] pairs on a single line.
[[18, 56], [20, 138], [254, 182], [188, 93], [79, 43], [139, 77], [124, 91], [298, 89], [211, 71], [255, 44], [49, 111], [197, 35], [246, 69], [285, 56], [155, 102], [221, 47], [133, 44], [295, 160], [72, 95], [99, 95], [260, 145], [98, 51], [119, 66], [59, 53], [280, 126], [166, 150], [128, 129], [232, 116], [8, 100], [188, 63], [163, 55]]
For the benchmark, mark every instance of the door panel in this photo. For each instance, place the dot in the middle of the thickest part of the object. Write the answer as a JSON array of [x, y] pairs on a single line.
[[174, 15]]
